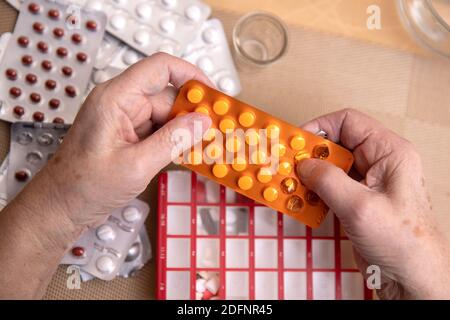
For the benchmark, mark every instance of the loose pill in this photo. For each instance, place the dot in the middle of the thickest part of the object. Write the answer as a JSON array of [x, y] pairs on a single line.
[[220, 170], [195, 95], [270, 194], [264, 175], [247, 119], [221, 107], [245, 182]]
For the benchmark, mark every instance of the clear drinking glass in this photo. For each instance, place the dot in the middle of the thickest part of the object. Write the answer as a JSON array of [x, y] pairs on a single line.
[[260, 38], [428, 21]]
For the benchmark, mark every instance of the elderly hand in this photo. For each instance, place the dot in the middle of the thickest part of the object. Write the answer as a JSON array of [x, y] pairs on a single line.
[[387, 214]]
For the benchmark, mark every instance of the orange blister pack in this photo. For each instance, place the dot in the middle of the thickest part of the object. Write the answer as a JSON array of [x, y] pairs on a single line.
[[255, 154]]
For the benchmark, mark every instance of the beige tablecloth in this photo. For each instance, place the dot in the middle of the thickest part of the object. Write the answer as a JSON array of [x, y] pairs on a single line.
[[333, 62]]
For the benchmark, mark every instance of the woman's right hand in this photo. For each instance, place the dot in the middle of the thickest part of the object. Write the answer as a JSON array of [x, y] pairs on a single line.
[[387, 214]]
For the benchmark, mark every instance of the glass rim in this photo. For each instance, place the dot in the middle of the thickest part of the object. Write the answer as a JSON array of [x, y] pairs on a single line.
[[273, 18], [438, 17]]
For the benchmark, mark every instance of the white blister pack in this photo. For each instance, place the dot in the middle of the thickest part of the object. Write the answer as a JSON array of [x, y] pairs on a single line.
[[211, 53], [48, 60], [32, 144], [150, 26], [4, 39], [3, 182], [101, 251], [138, 255]]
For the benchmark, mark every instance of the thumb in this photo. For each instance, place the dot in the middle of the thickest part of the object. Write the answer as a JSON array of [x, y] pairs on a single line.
[[340, 192], [176, 136]]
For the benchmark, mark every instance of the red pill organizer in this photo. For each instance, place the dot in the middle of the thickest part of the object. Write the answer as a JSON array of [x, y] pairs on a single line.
[[255, 154]]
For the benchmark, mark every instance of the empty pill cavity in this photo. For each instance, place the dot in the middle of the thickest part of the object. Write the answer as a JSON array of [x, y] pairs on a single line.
[[323, 254], [324, 286], [266, 221], [237, 253], [178, 284], [178, 253], [347, 259], [266, 285], [208, 221], [292, 227], [207, 191], [237, 285], [266, 253], [178, 220], [326, 229], [208, 253], [237, 220], [178, 186], [295, 286], [352, 284], [294, 253]]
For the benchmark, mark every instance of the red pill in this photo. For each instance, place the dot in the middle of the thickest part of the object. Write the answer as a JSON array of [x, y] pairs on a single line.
[[62, 52], [15, 92], [46, 65], [42, 46], [91, 25], [53, 14], [22, 175], [78, 251], [58, 32], [31, 78], [81, 56], [27, 60], [67, 71], [77, 38], [23, 41], [54, 103], [50, 84], [71, 91], [11, 74], [38, 27], [35, 97], [38, 116], [58, 120], [19, 111], [34, 8]]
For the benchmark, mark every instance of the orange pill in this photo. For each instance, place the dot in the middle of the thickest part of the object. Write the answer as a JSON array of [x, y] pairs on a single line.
[[247, 119], [221, 107], [273, 131], [214, 151], [220, 170], [298, 143], [245, 182], [195, 95], [301, 155], [258, 157], [252, 137], [209, 135], [270, 194], [202, 109], [264, 175], [278, 150], [239, 164], [227, 124], [284, 168], [233, 144]]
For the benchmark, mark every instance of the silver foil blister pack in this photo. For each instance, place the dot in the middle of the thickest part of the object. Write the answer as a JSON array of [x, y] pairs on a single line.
[[211, 53], [32, 144], [101, 251], [151, 26], [48, 60]]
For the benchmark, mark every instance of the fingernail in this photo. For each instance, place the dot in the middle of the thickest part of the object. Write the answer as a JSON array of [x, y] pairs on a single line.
[[305, 168]]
